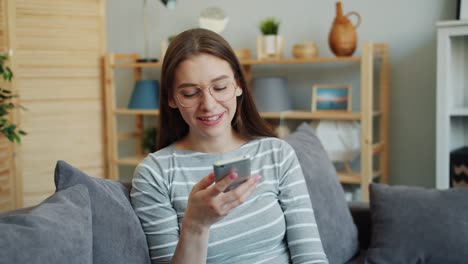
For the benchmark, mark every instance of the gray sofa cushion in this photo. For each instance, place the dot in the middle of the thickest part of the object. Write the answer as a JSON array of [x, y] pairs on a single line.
[[117, 233], [418, 225], [56, 231], [336, 226]]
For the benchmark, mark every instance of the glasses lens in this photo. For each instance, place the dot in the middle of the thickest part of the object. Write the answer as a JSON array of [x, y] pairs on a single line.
[[221, 91]]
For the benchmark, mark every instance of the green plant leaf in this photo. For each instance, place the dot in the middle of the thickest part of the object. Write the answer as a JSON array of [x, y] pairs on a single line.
[[269, 26], [10, 130]]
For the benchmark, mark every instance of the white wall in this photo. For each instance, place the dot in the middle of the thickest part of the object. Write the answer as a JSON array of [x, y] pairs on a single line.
[[407, 26]]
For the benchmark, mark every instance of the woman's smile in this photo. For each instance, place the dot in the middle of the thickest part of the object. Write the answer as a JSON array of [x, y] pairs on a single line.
[[211, 120]]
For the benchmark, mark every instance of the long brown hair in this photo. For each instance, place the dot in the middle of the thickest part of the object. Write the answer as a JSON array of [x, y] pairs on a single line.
[[172, 127]]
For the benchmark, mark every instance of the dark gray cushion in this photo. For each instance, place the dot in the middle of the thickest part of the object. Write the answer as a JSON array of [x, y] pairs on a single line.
[[59, 230], [418, 225], [117, 233], [336, 226]]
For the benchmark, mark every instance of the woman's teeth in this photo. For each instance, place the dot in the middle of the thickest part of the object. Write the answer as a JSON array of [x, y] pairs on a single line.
[[211, 118]]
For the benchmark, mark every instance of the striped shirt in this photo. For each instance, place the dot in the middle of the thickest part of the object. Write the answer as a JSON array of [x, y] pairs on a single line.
[[276, 224]]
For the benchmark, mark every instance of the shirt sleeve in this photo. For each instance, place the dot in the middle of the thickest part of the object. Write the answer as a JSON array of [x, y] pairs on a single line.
[[302, 234], [151, 201]]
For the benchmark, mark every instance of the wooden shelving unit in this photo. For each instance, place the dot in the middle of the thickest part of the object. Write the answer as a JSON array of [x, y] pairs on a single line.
[[452, 95], [372, 55]]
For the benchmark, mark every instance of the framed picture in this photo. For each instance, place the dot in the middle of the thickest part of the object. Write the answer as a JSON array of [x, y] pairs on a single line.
[[331, 97], [462, 9]]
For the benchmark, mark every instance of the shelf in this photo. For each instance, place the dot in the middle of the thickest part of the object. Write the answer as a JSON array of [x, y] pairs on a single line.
[[378, 147], [354, 179], [452, 23], [137, 65], [301, 61], [315, 115], [127, 136], [130, 161], [251, 62], [463, 111], [124, 111]]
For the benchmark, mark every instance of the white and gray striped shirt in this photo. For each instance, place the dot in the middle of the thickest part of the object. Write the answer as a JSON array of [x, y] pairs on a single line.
[[275, 225]]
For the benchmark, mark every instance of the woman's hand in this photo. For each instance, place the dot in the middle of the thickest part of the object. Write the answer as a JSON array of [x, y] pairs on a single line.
[[208, 204]]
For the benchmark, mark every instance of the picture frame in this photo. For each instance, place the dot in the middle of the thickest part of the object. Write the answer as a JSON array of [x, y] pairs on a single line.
[[462, 9], [331, 98]]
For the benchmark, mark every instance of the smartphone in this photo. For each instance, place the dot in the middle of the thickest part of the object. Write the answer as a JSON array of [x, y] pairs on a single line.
[[240, 165]]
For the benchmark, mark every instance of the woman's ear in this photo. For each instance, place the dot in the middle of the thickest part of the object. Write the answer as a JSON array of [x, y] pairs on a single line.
[[239, 91], [172, 103]]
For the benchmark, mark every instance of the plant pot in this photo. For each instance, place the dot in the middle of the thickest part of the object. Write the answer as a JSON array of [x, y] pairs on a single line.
[[269, 44], [269, 47]]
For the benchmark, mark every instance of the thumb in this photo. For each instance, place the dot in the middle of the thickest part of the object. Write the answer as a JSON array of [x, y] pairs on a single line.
[[204, 183]]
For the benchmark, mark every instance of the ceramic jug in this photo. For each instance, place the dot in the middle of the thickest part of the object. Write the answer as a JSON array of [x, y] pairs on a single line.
[[342, 38]]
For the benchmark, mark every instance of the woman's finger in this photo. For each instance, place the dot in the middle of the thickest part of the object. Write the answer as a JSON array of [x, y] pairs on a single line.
[[204, 183], [242, 192], [222, 185]]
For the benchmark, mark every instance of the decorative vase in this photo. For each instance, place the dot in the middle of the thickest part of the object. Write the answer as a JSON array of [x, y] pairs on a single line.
[[342, 38]]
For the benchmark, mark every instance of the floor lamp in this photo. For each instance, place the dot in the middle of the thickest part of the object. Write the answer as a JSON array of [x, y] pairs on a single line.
[[170, 4]]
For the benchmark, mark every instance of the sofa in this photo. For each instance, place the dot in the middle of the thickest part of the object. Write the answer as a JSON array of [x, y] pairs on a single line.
[[90, 220]]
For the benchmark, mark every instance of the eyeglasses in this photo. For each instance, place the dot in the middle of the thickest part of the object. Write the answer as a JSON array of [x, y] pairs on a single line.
[[221, 91]]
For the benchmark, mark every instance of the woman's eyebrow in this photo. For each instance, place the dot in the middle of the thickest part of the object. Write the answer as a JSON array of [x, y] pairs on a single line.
[[220, 78], [183, 85]]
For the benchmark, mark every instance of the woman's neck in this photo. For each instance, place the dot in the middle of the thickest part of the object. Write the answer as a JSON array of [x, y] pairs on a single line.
[[211, 145]]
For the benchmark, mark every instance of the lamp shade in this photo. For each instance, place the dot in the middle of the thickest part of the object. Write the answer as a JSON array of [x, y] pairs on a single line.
[[145, 95], [271, 94]]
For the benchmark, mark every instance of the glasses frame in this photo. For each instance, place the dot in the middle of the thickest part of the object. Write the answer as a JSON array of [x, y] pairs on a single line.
[[210, 87]]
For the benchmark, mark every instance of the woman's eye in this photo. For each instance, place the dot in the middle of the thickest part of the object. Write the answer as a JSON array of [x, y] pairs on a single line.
[[188, 93], [219, 87]]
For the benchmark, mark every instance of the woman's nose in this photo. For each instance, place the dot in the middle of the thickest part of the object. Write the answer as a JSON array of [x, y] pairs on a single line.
[[207, 100]]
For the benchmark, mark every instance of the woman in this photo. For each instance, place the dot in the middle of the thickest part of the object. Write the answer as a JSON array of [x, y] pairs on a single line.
[[208, 114]]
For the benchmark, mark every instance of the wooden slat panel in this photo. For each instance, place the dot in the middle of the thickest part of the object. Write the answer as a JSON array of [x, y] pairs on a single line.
[[6, 149], [67, 130], [59, 89], [58, 25], [48, 7], [6, 205], [56, 20], [57, 39], [6, 174], [57, 58], [58, 47], [3, 25], [59, 72], [31, 199]]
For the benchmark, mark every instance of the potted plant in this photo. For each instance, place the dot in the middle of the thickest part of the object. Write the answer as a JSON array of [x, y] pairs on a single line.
[[270, 43], [269, 26], [8, 129], [148, 144]]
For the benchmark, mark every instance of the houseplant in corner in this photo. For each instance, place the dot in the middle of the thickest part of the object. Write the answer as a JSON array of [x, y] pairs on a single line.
[[7, 128], [270, 44]]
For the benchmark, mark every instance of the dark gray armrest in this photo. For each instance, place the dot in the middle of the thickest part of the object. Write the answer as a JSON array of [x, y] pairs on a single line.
[[362, 218]]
